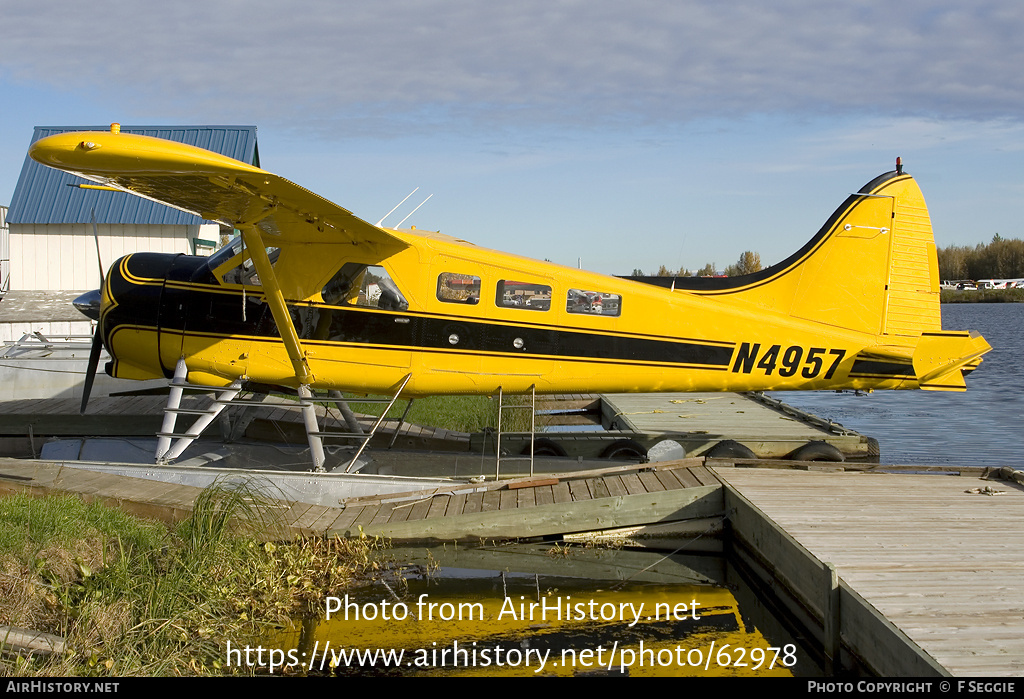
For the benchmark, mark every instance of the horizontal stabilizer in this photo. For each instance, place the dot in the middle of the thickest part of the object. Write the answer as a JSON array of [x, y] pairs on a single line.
[[941, 359]]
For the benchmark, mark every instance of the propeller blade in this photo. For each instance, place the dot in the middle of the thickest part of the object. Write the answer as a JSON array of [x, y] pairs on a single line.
[[92, 302], [90, 372]]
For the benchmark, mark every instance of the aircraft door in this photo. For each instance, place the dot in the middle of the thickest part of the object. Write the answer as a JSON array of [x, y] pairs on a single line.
[[213, 328], [171, 315]]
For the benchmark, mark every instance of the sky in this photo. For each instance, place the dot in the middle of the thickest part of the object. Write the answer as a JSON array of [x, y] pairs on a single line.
[[611, 135]]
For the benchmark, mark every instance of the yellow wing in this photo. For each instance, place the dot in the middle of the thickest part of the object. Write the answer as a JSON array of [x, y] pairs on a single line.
[[214, 186]]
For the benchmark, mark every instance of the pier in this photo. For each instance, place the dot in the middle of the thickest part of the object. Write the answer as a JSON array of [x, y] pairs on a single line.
[[887, 571]]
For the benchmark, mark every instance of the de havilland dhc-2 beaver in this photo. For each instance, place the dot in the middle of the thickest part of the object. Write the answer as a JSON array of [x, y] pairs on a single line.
[[311, 297]]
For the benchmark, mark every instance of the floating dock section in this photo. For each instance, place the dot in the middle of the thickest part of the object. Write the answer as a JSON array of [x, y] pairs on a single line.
[[699, 421], [577, 426]]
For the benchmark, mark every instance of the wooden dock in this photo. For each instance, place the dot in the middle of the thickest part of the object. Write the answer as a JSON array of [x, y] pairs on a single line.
[[930, 561], [696, 421], [898, 574]]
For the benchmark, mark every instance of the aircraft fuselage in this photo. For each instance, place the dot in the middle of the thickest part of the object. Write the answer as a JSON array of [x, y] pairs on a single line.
[[514, 323]]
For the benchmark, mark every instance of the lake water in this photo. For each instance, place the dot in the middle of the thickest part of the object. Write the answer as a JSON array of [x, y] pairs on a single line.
[[980, 427]]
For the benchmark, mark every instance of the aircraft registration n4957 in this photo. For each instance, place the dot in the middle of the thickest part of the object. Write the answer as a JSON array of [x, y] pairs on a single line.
[[312, 297]]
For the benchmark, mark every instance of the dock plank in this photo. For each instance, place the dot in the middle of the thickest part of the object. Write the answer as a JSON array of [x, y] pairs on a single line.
[[598, 488], [474, 503], [633, 484], [419, 511], [491, 501], [526, 497], [438, 506], [544, 495], [615, 486], [400, 512], [508, 499], [579, 489], [651, 482], [561, 492]]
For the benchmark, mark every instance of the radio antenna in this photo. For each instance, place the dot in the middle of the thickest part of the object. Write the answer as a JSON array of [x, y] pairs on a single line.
[[396, 206], [414, 210]]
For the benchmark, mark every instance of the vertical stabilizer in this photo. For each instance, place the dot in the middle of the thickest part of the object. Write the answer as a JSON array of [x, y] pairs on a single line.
[[871, 268]]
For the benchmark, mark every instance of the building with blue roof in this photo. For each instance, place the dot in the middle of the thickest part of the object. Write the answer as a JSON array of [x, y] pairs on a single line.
[[51, 245]]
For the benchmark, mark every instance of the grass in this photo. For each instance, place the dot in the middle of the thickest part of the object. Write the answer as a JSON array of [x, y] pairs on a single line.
[[457, 413], [133, 597]]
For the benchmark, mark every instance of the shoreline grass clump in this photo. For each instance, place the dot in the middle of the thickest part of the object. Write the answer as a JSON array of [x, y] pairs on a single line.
[[135, 597]]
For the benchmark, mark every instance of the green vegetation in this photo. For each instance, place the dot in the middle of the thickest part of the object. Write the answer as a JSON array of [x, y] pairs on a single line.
[[457, 413], [982, 296], [748, 263], [133, 597], [1000, 259]]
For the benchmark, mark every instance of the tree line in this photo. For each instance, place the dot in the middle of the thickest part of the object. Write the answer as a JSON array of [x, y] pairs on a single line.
[[999, 259], [748, 263]]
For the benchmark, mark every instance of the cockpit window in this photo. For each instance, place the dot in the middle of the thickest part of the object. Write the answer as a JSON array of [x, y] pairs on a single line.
[[526, 295], [226, 253], [235, 266], [357, 284]]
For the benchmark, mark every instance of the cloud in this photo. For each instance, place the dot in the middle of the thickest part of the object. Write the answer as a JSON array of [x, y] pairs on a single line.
[[362, 67]]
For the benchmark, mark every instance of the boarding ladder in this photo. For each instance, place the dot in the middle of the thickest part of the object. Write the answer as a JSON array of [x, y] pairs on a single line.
[[367, 436], [171, 444], [502, 407]]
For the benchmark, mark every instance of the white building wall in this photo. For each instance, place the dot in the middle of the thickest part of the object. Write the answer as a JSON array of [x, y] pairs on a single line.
[[63, 257]]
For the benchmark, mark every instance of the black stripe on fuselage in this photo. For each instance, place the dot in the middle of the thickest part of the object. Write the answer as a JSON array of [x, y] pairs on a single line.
[[371, 327], [202, 311], [874, 368]]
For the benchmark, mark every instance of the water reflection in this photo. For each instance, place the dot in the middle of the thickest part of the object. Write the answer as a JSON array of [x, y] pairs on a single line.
[[528, 610]]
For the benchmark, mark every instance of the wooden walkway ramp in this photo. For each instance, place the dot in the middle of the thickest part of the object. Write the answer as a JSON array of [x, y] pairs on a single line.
[[637, 496], [933, 554]]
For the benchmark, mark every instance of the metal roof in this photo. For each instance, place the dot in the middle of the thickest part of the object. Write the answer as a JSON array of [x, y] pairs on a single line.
[[43, 195]]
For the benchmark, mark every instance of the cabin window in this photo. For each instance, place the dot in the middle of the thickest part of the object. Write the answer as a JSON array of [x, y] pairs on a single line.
[[458, 288], [371, 286], [238, 267], [593, 303], [530, 296]]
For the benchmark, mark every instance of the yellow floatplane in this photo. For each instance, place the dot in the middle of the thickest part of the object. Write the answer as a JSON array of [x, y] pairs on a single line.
[[311, 297]]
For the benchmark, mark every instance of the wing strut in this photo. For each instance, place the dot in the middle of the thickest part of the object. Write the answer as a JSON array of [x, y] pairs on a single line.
[[275, 299]]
